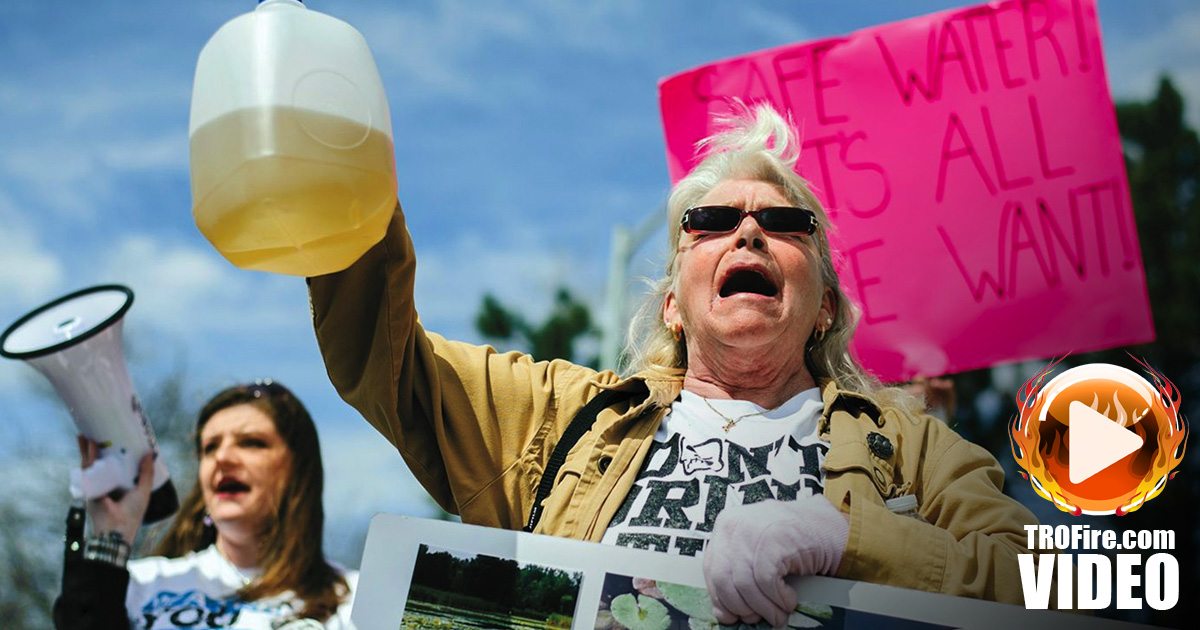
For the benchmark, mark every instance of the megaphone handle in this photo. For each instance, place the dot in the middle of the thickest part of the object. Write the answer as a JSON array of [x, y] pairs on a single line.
[[76, 518]]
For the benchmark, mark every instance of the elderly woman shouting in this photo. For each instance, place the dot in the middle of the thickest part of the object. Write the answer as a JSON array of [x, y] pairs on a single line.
[[746, 433]]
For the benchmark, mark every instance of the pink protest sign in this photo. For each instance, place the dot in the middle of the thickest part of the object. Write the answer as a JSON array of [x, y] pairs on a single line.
[[971, 164]]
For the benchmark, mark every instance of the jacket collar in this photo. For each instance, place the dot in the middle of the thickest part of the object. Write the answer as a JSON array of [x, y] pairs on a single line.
[[837, 399], [664, 386]]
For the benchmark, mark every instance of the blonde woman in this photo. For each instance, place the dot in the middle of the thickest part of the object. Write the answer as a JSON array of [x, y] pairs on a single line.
[[745, 431]]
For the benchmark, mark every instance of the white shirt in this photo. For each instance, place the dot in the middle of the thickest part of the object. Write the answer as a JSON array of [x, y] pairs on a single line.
[[199, 590], [696, 468]]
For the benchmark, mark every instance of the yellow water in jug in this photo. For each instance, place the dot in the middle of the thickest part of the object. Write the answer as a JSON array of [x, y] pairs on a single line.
[[291, 191]]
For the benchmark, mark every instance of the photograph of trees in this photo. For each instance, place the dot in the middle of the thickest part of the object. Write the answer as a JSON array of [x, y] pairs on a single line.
[[459, 591]]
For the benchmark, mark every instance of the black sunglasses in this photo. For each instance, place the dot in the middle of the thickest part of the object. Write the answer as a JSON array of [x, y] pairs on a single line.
[[723, 219]]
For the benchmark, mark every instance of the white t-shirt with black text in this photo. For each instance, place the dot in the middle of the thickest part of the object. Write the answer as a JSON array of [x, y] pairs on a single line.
[[199, 590], [695, 469]]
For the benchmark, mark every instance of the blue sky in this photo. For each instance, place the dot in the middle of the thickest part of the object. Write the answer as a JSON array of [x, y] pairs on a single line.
[[524, 131]]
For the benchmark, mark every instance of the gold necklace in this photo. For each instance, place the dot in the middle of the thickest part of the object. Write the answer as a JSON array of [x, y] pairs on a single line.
[[731, 422]]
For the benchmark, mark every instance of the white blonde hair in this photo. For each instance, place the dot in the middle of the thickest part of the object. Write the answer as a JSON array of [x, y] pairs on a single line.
[[754, 143]]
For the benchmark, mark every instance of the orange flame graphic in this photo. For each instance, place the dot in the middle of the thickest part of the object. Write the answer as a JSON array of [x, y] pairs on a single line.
[[1039, 440]]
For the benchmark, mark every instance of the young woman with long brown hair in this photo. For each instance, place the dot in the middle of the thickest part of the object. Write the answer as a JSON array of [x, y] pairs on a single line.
[[245, 549]]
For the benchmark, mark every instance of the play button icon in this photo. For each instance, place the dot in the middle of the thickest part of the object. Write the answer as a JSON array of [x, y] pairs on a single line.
[[1095, 442], [1098, 439]]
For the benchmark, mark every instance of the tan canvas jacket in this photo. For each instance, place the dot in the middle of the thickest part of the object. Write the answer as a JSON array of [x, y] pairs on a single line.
[[476, 427]]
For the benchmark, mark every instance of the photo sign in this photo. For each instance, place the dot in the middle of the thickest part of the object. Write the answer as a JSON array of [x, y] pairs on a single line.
[[418, 574], [971, 165]]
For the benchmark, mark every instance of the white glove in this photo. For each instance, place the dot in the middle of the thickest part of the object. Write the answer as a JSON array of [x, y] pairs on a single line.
[[754, 547]]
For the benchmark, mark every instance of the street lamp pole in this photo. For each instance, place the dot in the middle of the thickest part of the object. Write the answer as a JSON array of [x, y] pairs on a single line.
[[625, 243]]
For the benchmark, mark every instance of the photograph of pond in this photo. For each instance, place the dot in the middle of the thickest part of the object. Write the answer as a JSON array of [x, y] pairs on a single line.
[[456, 590], [633, 603]]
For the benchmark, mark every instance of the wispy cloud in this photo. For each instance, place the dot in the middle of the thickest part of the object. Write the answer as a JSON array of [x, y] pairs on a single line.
[[452, 279], [73, 179], [427, 49], [1136, 61], [29, 269], [365, 475], [776, 25], [64, 180], [187, 290], [389, 486], [167, 151]]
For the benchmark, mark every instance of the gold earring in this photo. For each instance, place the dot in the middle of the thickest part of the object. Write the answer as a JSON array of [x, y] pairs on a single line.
[[676, 331], [820, 336]]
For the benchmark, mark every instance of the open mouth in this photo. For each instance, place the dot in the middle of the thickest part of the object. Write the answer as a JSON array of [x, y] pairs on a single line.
[[748, 281], [231, 486]]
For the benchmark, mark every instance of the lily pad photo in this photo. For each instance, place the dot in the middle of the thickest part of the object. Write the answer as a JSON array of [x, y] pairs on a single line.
[[634, 603]]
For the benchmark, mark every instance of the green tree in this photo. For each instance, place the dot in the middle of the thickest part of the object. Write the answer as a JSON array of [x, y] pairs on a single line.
[[491, 578], [1163, 161], [568, 323], [434, 570]]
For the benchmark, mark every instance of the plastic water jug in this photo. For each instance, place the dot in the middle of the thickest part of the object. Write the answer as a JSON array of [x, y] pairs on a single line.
[[291, 142]]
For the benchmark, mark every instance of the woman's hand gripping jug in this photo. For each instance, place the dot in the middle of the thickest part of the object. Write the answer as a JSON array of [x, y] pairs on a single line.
[[291, 142]]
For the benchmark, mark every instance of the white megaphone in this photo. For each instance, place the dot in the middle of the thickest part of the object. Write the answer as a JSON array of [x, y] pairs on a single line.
[[75, 341]]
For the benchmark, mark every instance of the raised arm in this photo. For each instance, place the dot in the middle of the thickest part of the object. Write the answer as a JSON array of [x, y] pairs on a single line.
[[463, 416]]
